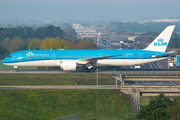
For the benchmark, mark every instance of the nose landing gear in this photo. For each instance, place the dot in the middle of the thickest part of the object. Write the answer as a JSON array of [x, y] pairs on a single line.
[[17, 70]]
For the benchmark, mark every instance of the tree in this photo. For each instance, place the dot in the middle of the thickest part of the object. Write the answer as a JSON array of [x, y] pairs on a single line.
[[55, 44], [27, 32], [17, 44], [173, 111], [89, 44], [2, 51], [156, 109], [49, 31], [65, 26], [80, 46], [83, 44], [34, 44], [41, 33], [7, 43], [69, 32]]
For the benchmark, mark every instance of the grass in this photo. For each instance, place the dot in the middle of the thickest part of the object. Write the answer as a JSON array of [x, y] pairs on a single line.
[[6, 67], [56, 79], [50, 104], [144, 100]]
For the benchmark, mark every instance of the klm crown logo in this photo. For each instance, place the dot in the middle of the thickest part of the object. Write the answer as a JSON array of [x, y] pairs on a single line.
[[30, 54], [160, 42]]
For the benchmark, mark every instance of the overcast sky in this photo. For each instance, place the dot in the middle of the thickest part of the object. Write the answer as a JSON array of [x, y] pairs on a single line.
[[52, 10]]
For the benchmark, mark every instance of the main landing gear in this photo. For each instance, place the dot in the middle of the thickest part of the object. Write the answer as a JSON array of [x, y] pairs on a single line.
[[90, 70]]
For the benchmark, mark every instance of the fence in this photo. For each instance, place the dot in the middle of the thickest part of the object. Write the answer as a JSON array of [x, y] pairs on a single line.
[[56, 87], [147, 73]]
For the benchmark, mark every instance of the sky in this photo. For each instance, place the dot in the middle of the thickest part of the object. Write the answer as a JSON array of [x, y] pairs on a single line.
[[85, 10]]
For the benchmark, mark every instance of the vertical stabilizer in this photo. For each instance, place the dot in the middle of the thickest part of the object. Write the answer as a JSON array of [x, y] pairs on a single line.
[[161, 42]]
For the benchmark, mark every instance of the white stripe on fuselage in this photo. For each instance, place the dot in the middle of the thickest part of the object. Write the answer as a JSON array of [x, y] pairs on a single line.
[[105, 62]]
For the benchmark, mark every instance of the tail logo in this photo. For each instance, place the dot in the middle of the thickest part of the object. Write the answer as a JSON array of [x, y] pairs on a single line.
[[160, 42]]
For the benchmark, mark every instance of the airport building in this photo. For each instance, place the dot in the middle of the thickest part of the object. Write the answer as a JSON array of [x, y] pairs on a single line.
[[85, 32]]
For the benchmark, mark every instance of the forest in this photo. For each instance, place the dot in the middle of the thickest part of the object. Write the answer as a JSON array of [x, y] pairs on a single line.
[[42, 38], [161, 108]]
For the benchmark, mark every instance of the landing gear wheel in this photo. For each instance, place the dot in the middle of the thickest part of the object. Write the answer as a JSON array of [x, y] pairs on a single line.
[[92, 70], [17, 70], [87, 70]]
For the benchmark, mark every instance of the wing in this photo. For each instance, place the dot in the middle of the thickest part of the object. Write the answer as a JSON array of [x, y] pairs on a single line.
[[95, 59], [168, 54]]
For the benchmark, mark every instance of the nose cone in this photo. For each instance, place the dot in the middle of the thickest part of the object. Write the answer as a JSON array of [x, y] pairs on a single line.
[[4, 61]]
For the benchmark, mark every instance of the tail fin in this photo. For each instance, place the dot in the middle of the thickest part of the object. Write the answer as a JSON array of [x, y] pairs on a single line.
[[161, 42]]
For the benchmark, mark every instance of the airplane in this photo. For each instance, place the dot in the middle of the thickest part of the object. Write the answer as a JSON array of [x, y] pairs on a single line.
[[68, 60]]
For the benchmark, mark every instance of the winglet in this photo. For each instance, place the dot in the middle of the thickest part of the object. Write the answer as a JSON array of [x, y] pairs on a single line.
[[161, 42]]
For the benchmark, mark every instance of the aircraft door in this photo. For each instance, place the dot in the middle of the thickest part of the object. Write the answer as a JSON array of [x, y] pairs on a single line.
[[53, 56], [140, 55], [19, 57]]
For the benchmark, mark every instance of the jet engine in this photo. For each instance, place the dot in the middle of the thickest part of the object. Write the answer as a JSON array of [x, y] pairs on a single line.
[[68, 65]]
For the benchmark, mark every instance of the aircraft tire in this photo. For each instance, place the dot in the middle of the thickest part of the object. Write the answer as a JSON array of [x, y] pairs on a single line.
[[87, 70], [17, 70], [92, 70]]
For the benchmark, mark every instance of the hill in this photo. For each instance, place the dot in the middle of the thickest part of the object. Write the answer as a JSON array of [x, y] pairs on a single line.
[[49, 104]]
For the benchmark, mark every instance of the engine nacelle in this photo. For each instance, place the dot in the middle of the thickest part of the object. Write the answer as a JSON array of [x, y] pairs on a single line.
[[68, 65]]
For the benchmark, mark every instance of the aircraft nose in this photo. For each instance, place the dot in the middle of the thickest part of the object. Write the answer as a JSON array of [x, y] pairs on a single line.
[[4, 61]]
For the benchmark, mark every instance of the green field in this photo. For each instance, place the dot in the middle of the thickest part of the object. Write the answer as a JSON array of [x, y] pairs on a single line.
[[56, 79], [6, 67], [49, 104], [144, 100]]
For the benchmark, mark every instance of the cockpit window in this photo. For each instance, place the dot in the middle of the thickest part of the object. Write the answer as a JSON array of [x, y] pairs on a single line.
[[9, 56]]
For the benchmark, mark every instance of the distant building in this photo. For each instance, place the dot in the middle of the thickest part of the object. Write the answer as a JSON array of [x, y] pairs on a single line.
[[85, 32], [104, 36], [131, 38], [47, 22], [166, 20]]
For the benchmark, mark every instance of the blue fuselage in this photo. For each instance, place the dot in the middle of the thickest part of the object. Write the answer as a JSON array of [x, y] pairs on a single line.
[[36, 55]]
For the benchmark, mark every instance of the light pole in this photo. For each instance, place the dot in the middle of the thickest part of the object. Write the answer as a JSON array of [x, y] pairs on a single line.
[[97, 77]]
